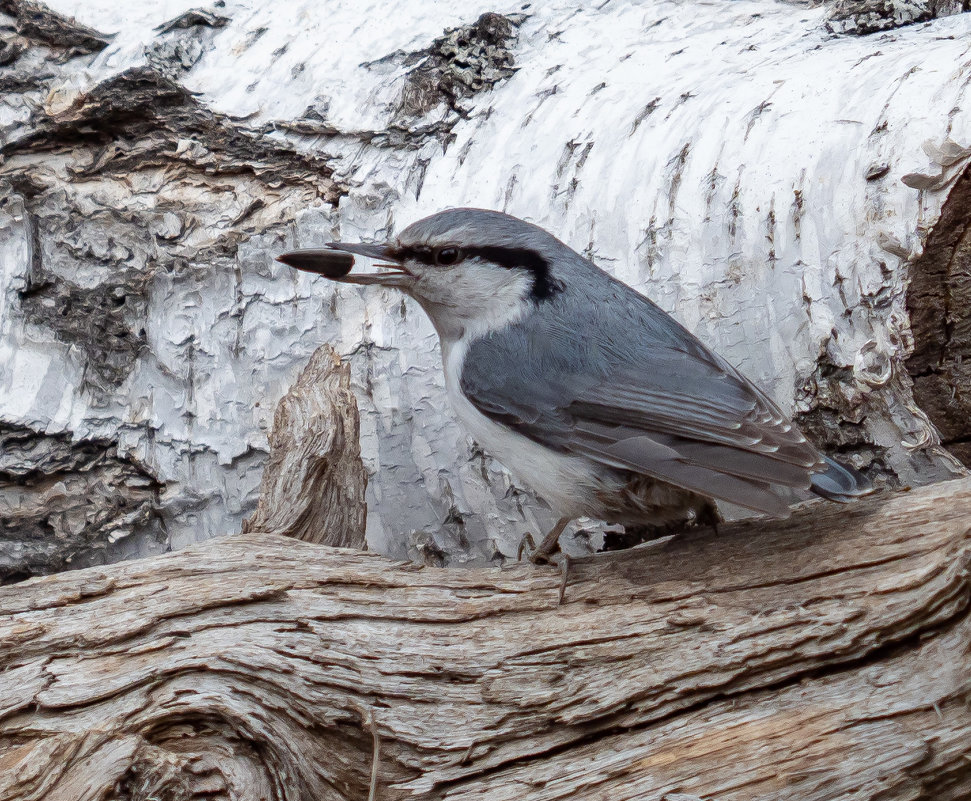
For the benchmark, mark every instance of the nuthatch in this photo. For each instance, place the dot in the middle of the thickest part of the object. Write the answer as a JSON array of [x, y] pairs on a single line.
[[588, 392]]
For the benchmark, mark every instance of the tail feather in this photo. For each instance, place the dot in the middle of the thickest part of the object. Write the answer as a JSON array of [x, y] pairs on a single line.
[[840, 483]]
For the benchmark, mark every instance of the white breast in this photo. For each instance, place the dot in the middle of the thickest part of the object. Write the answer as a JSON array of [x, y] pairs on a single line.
[[567, 483]]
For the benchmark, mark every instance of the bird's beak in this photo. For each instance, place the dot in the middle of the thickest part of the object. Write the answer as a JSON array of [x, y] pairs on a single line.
[[331, 263]]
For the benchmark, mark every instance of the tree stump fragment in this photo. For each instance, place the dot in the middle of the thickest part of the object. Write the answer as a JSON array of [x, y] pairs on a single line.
[[314, 482]]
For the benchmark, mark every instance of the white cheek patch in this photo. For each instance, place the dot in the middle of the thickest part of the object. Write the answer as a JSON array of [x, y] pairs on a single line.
[[475, 297]]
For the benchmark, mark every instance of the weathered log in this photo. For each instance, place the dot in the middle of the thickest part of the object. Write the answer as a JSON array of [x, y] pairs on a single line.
[[314, 482], [823, 657]]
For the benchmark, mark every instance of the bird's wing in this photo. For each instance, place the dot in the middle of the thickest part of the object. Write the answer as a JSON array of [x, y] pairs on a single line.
[[678, 413]]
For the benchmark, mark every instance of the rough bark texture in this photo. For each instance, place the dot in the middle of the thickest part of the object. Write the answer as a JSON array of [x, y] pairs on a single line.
[[862, 17], [939, 302], [314, 482], [66, 503], [762, 179], [825, 657]]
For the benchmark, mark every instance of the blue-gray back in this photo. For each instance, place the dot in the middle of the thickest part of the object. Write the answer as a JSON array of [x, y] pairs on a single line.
[[599, 370]]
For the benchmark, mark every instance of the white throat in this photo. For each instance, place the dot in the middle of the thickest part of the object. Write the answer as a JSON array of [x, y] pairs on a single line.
[[470, 302], [491, 299]]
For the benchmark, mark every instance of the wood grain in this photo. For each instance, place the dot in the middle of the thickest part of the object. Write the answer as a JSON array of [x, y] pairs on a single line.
[[823, 657], [314, 482]]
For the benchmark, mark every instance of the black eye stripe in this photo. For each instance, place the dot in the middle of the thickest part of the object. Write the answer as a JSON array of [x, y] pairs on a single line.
[[424, 255], [507, 257], [544, 285], [510, 257]]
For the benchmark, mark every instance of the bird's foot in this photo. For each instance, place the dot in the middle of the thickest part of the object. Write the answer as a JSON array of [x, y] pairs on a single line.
[[709, 516], [549, 546], [562, 561], [544, 554], [526, 545], [548, 552]]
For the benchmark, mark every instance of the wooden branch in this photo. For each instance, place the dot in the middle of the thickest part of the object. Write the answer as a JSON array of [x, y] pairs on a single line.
[[823, 657], [314, 482]]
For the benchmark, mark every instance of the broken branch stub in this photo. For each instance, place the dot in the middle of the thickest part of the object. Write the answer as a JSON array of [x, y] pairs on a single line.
[[314, 482], [819, 658]]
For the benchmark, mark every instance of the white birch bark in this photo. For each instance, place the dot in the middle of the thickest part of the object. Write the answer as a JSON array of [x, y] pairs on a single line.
[[737, 162]]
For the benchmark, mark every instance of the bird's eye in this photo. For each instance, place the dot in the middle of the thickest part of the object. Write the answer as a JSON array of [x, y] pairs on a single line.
[[448, 256]]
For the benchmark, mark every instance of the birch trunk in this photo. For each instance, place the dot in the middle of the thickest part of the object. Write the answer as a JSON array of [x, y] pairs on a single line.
[[775, 183]]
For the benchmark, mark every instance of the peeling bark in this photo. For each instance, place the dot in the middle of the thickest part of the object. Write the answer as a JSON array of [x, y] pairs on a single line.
[[68, 504], [314, 482], [96, 260], [459, 65], [820, 658], [863, 17], [89, 222], [37, 22]]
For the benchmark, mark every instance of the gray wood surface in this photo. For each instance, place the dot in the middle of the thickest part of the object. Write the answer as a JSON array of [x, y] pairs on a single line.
[[314, 481], [823, 657]]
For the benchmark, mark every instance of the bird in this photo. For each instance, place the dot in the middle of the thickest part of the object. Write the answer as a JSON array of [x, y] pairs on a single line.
[[583, 388]]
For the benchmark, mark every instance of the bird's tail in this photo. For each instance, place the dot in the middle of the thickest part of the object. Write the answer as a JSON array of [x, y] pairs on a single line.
[[840, 483]]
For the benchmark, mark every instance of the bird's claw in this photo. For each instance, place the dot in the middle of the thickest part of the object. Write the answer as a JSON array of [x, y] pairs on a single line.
[[548, 552], [527, 539], [538, 556], [545, 556], [562, 561]]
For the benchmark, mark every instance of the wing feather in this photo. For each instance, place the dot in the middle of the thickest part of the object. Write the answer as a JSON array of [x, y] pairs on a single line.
[[668, 408]]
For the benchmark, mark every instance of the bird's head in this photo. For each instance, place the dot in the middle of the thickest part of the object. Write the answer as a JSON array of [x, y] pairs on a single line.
[[468, 268]]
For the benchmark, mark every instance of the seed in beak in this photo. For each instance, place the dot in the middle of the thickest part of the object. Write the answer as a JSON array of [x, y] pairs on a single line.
[[330, 263]]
